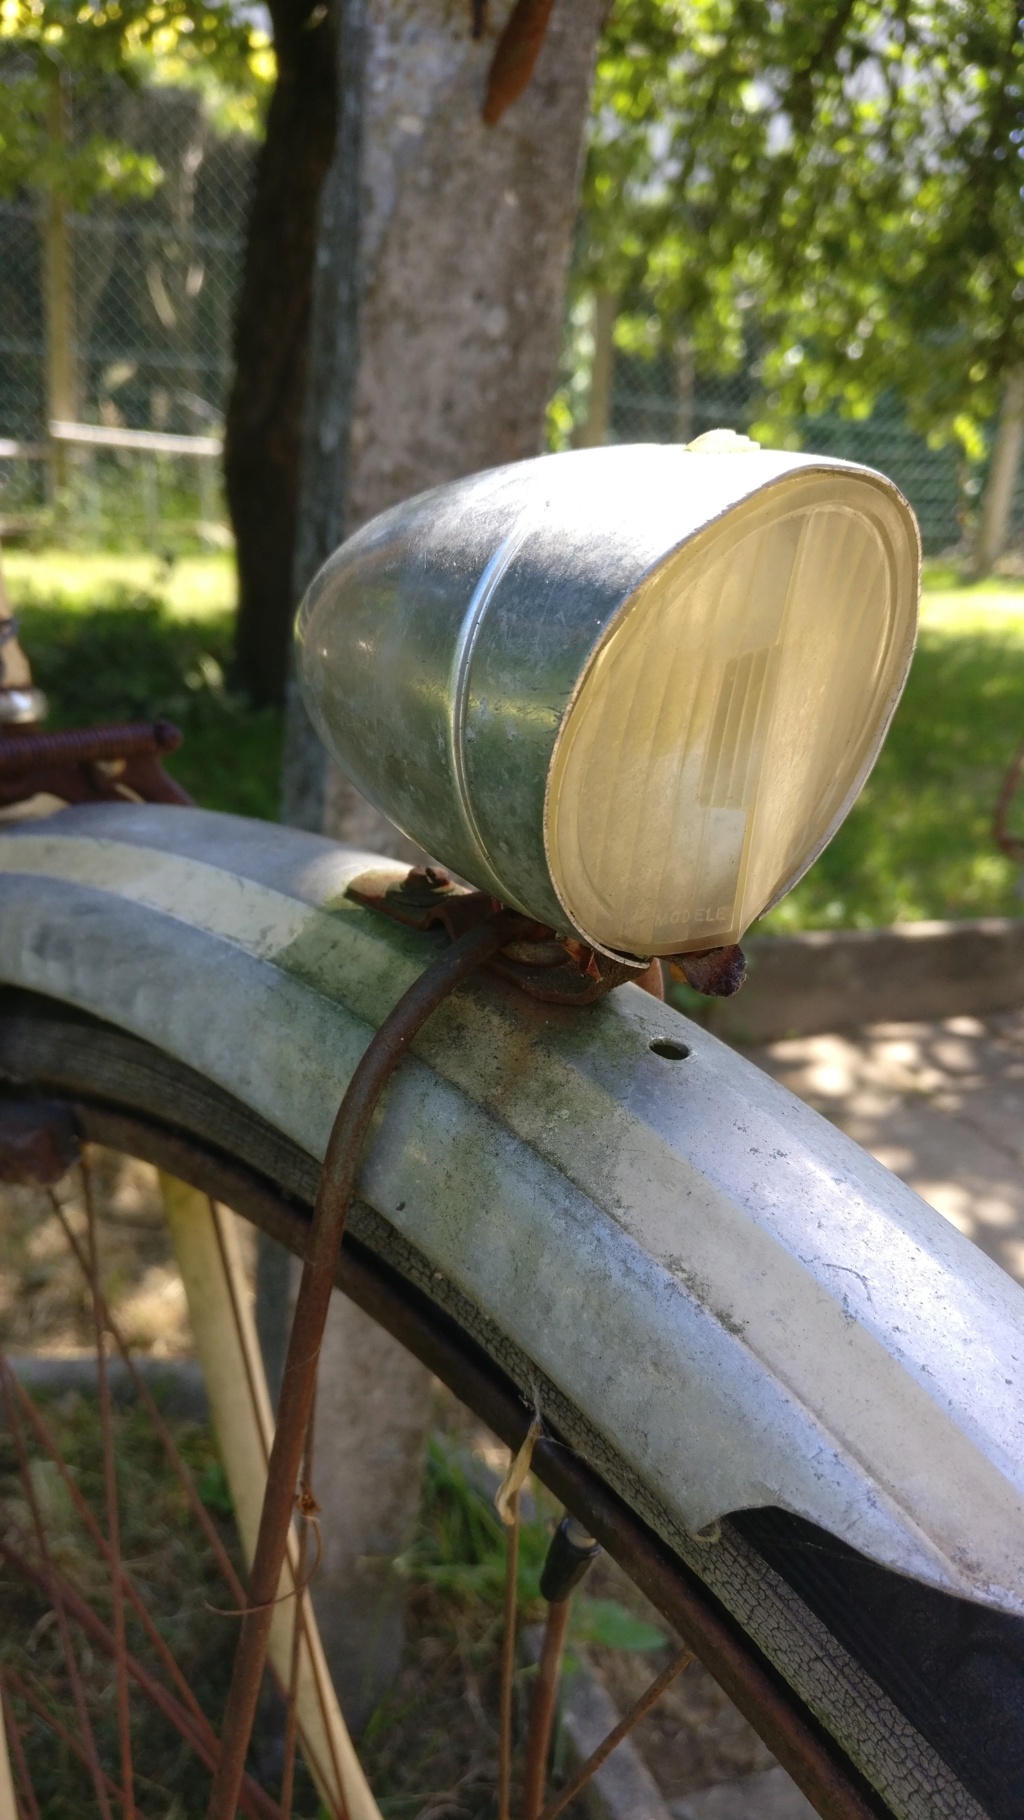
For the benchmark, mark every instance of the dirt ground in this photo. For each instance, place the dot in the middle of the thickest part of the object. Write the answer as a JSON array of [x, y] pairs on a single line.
[[941, 1105]]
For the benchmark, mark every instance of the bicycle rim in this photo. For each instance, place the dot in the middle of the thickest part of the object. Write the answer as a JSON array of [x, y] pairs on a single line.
[[844, 1732]]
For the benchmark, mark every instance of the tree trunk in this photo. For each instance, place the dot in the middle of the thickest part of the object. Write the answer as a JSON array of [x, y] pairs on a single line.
[[997, 505], [263, 430], [440, 281], [594, 431], [441, 268]]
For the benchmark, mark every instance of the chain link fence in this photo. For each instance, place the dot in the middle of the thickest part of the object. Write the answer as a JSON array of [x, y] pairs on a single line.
[[151, 288], [147, 321], [653, 401]]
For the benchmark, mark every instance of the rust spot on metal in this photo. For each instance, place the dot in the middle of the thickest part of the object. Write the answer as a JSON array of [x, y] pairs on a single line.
[[653, 981], [555, 969], [91, 764], [38, 1142], [718, 972]]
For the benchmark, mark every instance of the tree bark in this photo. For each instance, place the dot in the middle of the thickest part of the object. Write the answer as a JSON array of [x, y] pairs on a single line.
[[263, 430], [440, 279], [440, 282], [997, 504]]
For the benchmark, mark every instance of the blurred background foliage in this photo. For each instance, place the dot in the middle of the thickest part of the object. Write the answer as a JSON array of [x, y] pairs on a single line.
[[833, 190], [805, 223], [49, 44]]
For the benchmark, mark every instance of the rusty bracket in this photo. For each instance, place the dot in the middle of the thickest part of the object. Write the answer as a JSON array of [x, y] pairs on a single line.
[[39, 1142], [91, 764], [556, 970], [716, 972], [543, 965]]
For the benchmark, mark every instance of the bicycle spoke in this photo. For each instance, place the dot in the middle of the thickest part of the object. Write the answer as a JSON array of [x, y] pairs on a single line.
[[28, 1806], [253, 1800], [604, 1750], [185, 1713], [46, 1440], [542, 1707], [508, 1659], [113, 1550], [49, 1718], [142, 1390], [51, 1582]]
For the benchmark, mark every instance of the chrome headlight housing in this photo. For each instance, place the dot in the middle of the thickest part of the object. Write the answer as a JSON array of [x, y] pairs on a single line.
[[632, 691]]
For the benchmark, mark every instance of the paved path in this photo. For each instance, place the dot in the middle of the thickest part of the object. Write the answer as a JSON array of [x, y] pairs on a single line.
[[942, 1105]]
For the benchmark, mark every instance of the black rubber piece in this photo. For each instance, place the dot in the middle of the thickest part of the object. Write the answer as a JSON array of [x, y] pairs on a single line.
[[566, 1562], [955, 1669]]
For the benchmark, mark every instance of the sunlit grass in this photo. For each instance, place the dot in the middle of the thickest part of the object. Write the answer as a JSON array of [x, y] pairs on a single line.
[[125, 638], [193, 587], [918, 845]]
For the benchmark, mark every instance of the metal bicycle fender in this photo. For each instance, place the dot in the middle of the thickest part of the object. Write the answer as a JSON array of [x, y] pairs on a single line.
[[748, 1308]]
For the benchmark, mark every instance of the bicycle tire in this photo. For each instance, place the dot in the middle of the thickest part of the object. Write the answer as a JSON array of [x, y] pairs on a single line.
[[835, 1659], [949, 1675]]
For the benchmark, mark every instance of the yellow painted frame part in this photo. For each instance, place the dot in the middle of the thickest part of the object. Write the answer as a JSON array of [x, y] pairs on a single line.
[[206, 1246]]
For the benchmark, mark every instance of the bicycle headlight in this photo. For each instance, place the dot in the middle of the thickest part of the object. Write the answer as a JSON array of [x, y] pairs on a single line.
[[632, 691]]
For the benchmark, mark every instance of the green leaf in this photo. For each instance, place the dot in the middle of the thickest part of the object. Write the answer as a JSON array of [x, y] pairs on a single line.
[[213, 1489], [607, 1622]]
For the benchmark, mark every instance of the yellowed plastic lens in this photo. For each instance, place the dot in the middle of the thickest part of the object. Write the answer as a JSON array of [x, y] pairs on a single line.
[[730, 715]]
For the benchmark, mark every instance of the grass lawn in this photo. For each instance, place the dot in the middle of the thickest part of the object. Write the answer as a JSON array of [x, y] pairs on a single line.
[[918, 843], [128, 637], [124, 636]]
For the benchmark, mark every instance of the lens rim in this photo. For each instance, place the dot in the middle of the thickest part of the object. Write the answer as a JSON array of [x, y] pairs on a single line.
[[903, 622]]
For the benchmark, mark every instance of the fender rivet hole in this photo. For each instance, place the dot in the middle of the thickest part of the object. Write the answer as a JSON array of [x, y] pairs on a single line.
[[671, 1051]]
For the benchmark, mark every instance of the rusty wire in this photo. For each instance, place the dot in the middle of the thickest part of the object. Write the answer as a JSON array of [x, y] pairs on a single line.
[[13, 1733], [508, 1659], [604, 1750], [298, 1631], [298, 1384], [542, 1708], [301, 1577], [113, 1550], [51, 1582], [253, 1800]]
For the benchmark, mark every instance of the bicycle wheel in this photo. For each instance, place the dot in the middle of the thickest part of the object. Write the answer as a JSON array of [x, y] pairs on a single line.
[[878, 1693]]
